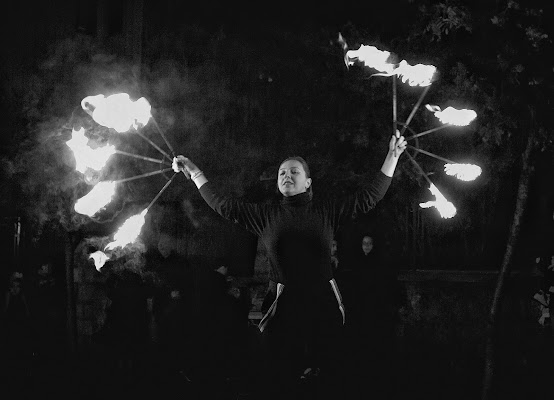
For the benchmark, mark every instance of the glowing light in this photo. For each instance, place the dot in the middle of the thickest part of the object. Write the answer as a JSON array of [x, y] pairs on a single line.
[[372, 57], [86, 156], [464, 172], [96, 199], [453, 116], [415, 75], [99, 258], [117, 111], [128, 232], [446, 209]]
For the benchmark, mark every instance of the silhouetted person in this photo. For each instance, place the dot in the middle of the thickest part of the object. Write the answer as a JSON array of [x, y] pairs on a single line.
[[16, 336], [48, 313], [172, 305], [236, 303], [220, 352], [126, 333], [374, 306]]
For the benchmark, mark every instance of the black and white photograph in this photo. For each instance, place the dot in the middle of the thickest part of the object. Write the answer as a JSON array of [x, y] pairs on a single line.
[[217, 200]]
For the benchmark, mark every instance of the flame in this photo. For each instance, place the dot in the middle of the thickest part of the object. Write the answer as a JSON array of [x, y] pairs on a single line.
[[97, 198], [415, 75], [464, 172], [453, 116], [128, 232], [99, 258], [342, 42], [86, 156], [117, 111], [446, 209], [372, 57], [344, 47]]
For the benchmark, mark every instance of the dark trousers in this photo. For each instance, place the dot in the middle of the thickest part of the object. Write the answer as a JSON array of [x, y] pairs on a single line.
[[305, 332]]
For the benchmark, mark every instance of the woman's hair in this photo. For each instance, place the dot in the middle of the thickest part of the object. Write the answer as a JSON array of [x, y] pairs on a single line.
[[304, 165]]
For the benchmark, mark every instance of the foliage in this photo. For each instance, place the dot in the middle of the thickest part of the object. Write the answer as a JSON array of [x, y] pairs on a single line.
[[445, 19]]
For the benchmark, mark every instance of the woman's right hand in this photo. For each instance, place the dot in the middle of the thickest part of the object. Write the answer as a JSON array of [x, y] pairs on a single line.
[[184, 165]]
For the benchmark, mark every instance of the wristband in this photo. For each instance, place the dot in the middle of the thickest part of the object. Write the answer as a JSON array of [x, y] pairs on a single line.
[[196, 175]]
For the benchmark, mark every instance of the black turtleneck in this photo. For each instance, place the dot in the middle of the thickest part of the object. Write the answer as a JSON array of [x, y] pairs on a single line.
[[297, 232], [298, 199]]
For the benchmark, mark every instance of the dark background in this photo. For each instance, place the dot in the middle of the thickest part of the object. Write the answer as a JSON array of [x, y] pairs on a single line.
[[238, 87]]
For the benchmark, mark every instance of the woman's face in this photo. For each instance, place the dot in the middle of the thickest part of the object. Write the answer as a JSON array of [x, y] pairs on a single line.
[[165, 245], [292, 179], [367, 244]]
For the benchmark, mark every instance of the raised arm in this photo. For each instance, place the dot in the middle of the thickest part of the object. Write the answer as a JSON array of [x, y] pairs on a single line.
[[365, 199], [397, 145], [251, 216]]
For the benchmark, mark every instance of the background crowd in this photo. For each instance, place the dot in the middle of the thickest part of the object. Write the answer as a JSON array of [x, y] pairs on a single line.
[[196, 326]]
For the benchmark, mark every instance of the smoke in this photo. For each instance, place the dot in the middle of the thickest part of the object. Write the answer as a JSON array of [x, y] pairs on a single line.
[[130, 257], [188, 102], [43, 166]]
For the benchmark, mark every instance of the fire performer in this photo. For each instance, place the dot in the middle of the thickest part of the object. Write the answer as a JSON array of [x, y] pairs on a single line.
[[301, 330]]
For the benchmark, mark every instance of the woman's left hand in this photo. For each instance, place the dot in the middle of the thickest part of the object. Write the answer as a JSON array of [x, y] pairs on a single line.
[[397, 144]]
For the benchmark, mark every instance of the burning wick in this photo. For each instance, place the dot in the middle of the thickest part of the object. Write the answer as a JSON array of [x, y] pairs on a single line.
[[344, 47], [128, 232], [446, 209], [371, 56], [117, 111], [86, 156], [120, 113], [464, 172], [453, 116], [96, 199], [99, 258], [416, 75]]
